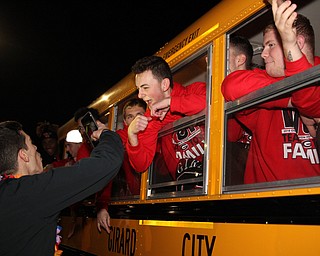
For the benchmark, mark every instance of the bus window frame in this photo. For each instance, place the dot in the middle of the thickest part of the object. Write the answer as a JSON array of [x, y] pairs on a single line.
[[289, 84], [117, 124], [207, 52]]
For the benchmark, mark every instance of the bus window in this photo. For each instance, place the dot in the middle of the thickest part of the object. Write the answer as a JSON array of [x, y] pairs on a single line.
[[126, 185], [179, 166], [252, 159], [262, 168]]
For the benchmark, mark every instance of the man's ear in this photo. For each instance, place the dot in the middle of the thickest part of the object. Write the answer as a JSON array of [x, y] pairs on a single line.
[[22, 154], [165, 84], [241, 60], [301, 41]]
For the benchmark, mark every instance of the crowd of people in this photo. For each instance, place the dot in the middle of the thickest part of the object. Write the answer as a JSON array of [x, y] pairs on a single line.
[[34, 189]]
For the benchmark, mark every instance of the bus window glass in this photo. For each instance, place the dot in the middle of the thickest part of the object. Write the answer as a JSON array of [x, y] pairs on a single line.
[[179, 167], [267, 144]]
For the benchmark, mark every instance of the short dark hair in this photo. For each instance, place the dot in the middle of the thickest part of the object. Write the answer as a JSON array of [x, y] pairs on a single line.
[[132, 103], [83, 110], [47, 130], [242, 46], [305, 29], [303, 26], [159, 67], [11, 141]]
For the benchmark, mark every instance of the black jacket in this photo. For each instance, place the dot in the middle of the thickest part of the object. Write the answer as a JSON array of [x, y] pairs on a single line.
[[30, 205]]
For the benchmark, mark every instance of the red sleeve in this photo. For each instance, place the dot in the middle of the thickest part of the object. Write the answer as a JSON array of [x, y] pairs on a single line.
[[242, 82], [295, 67], [141, 156], [307, 100], [103, 197], [188, 100], [275, 103]]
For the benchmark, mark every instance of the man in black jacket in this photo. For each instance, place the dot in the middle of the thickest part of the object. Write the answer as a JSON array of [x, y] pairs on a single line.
[[31, 200]]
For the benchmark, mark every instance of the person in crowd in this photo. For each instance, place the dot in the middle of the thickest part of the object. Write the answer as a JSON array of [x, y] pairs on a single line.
[[48, 140], [30, 200], [238, 138], [293, 153], [131, 109], [73, 144], [167, 101], [240, 53]]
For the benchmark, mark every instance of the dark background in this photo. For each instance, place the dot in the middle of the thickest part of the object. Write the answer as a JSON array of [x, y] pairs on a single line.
[[58, 56]]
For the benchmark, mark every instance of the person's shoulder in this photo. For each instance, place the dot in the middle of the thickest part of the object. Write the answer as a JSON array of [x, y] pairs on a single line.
[[247, 74], [316, 60], [178, 88], [247, 71]]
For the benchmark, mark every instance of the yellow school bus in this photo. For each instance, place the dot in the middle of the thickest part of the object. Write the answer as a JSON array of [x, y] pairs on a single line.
[[223, 216]]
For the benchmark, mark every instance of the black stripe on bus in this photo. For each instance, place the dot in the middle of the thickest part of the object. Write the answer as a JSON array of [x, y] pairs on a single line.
[[304, 210]]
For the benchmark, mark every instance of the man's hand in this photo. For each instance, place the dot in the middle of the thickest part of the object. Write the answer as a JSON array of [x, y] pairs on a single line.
[[138, 124], [103, 220], [160, 109], [101, 127], [310, 123], [278, 1], [284, 17]]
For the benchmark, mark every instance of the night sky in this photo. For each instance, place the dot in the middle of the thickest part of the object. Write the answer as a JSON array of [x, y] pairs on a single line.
[[58, 56]]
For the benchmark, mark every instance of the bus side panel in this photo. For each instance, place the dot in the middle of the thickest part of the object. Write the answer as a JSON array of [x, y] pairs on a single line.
[[158, 238], [222, 239]]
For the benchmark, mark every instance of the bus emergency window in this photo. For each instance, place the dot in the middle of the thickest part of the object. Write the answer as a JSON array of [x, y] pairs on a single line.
[[179, 168], [267, 145]]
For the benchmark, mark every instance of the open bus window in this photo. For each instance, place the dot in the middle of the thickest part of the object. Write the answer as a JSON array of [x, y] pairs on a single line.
[[179, 161], [126, 185], [263, 159], [256, 159], [179, 168]]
